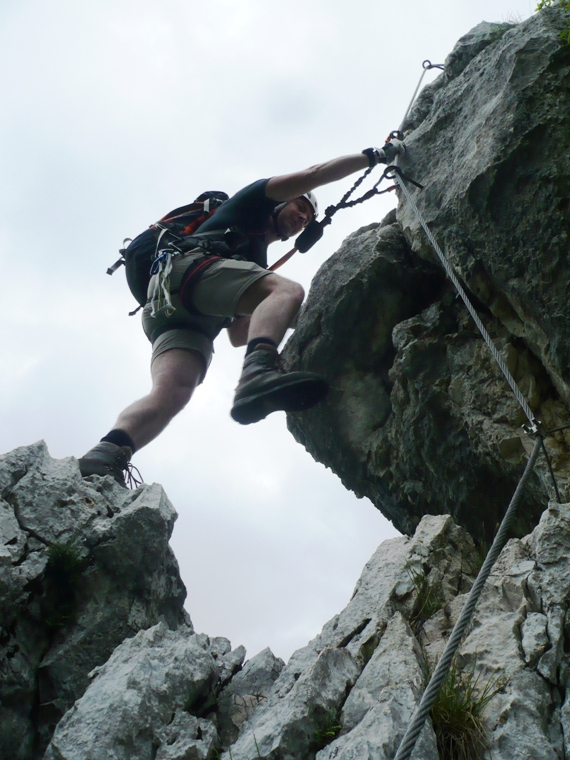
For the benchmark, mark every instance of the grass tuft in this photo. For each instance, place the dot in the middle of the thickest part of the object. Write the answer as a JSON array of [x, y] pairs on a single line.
[[456, 715], [327, 731], [428, 601]]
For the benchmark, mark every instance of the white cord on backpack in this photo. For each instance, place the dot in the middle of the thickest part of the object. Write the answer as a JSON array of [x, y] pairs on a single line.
[[161, 302]]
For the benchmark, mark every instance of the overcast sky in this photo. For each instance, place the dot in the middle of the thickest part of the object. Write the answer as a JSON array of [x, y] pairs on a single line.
[[115, 112]]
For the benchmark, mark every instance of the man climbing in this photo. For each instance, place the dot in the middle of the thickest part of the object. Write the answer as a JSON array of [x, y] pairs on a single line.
[[202, 292]]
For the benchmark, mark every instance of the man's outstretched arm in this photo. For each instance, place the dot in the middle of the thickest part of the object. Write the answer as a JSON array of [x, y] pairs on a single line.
[[289, 186]]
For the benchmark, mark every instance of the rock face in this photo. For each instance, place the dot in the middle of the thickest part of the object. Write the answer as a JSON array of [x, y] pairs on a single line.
[[351, 692], [99, 658], [93, 627], [137, 681], [152, 698], [493, 149], [419, 418], [71, 586], [171, 694]]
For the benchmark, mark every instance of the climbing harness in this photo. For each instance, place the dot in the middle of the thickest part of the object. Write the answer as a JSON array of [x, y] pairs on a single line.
[[142, 253], [159, 297], [534, 429]]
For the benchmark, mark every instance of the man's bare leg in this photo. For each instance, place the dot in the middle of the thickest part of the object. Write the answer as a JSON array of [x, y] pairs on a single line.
[[273, 303], [175, 375]]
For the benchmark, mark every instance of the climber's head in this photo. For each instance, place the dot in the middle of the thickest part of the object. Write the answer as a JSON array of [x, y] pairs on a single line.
[[292, 217]]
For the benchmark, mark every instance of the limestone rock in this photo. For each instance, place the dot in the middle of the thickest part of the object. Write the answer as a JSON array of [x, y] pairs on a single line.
[[515, 651], [247, 689], [494, 153], [83, 565], [170, 693], [383, 671], [360, 679], [534, 637], [419, 417], [141, 702]]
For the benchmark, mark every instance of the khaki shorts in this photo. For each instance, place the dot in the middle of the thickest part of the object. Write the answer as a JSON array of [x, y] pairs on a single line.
[[214, 296]]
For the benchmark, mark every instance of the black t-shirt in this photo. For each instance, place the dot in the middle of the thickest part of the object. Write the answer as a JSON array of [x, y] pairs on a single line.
[[250, 211]]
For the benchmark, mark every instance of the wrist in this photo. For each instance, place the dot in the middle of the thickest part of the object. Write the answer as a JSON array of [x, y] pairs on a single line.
[[373, 155]]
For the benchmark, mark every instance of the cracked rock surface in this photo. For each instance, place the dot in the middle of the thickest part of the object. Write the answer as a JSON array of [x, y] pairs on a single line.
[[98, 658], [95, 643], [419, 417], [382, 643], [151, 699], [167, 692], [71, 586]]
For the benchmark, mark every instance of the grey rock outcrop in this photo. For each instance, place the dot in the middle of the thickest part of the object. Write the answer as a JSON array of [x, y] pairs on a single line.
[[350, 694], [494, 153], [151, 699], [419, 418], [95, 642], [516, 648], [98, 657], [83, 565], [248, 689], [362, 676]]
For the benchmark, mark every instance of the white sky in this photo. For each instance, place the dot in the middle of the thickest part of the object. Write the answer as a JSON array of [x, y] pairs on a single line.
[[112, 114]]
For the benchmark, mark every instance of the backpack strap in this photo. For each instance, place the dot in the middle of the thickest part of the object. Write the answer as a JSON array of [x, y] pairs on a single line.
[[122, 261]]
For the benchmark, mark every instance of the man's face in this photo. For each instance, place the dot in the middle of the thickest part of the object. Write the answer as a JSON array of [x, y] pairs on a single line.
[[294, 217]]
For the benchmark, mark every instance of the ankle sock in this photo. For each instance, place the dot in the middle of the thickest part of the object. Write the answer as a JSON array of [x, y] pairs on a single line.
[[254, 343], [119, 438]]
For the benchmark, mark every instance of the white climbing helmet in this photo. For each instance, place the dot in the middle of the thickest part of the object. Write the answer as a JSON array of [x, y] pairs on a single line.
[[310, 196]]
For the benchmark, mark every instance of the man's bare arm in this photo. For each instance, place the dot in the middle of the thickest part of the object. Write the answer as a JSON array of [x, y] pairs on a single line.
[[289, 186]]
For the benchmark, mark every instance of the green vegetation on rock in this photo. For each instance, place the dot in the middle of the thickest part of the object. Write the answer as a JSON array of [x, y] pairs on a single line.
[[428, 601], [565, 4], [327, 731], [456, 715]]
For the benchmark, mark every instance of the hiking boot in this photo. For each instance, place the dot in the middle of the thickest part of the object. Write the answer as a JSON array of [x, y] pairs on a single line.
[[264, 388], [106, 459]]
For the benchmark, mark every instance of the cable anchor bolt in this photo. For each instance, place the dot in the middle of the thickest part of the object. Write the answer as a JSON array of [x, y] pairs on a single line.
[[534, 429]]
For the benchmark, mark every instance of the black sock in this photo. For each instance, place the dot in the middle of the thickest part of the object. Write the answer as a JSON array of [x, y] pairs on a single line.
[[254, 343], [119, 438]]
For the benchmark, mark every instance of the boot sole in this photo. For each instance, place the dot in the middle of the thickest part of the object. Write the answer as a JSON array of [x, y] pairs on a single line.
[[87, 468], [293, 397]]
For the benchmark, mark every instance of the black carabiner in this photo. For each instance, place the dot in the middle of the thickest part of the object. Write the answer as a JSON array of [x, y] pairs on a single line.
[[427, 65], [391, 171]]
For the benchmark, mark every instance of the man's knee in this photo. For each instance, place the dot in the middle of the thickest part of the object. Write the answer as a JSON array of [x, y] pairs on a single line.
[[295, 292], [176, 374], [171, 396], [271, 285]]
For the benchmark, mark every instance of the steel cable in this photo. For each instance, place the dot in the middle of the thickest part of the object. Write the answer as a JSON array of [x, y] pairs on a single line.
[[426, 65], [428, 698], [422, 711], [453, 277]]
